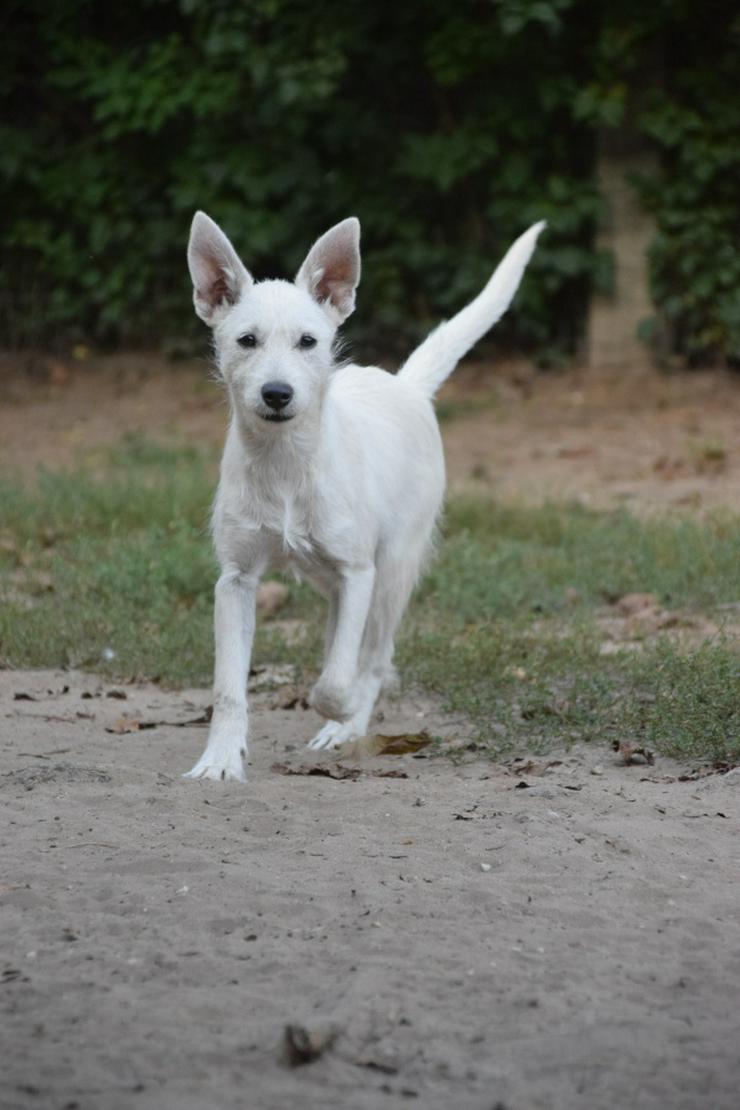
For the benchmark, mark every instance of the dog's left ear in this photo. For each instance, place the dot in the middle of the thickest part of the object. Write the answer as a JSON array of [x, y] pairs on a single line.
[[331, 271]]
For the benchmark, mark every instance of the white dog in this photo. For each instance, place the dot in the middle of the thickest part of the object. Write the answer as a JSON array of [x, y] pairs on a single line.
[[335, 472]]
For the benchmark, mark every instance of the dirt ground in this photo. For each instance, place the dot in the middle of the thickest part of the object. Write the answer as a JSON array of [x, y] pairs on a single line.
[[649, 442], [470, 941], [547, 934]]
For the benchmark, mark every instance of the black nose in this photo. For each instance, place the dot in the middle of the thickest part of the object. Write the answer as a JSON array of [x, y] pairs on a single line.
[[277, 395]]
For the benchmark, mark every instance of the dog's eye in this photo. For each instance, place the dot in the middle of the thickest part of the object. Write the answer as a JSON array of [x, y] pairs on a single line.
[[306, 341], [247, 340]]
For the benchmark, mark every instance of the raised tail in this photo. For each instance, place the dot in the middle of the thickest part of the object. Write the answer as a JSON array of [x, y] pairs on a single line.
[[436, 358]]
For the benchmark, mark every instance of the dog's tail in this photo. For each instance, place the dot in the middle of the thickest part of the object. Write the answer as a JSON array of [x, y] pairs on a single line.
[[436, 358]]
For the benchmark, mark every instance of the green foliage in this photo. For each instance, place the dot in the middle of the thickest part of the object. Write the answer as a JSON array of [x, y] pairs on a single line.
[[687, 705], [447, 128], [278, 118], [696, 253], [119, 558], [668, 72]]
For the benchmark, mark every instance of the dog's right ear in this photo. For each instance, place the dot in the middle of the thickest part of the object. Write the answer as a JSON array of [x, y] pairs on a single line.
[[219, 277]]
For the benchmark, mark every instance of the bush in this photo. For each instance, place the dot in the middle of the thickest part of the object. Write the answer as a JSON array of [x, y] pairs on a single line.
[[279, 118], [446, 128]]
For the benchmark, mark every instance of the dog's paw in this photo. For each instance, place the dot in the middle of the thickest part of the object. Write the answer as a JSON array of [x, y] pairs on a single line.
[[333, 700], [332, 735], [219, 767]]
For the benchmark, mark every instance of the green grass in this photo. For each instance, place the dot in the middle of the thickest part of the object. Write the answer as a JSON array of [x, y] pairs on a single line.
[[505, 627]]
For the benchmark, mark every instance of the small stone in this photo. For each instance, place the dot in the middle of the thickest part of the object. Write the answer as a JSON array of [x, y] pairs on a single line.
[[485, 867], [544, 790], [271, 597], [630, 604], [597, 770]]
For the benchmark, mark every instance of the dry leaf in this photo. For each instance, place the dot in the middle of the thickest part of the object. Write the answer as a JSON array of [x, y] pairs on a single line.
[[334, 771], [130, 724], [400, 744], [628, 749], [524, 766], [327, 770], [290, 697], [630, 604], [133, 724], [281, 674]]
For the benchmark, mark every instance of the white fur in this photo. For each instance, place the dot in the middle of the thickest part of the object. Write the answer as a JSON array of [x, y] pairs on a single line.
[[345, 493]]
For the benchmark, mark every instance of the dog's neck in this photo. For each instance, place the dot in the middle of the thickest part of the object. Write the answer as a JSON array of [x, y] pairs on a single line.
[[278, 471], [282, 452]]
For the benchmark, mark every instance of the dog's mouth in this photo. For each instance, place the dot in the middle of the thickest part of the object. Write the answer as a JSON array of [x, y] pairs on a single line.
[[276, 417]]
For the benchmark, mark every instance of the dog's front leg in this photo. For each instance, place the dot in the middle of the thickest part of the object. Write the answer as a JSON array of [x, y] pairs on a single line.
[[334, 695], [234, 619]]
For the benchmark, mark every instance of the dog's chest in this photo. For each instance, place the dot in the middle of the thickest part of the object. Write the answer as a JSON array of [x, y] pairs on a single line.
[[279, 523], [289, 518], [286, 518]]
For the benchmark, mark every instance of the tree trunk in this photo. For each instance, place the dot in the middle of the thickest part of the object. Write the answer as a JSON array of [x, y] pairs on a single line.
[[626, 231]]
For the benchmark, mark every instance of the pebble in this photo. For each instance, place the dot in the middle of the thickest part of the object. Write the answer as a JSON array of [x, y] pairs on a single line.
[[542, 790]]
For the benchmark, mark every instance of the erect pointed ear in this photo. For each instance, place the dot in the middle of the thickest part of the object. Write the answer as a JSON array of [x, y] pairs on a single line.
[[331, 271], [219, 278]]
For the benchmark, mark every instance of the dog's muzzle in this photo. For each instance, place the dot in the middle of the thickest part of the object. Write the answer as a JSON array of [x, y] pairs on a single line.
[[277, 396]]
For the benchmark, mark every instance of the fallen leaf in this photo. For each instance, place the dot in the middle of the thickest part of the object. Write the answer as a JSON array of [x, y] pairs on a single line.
[[282, 674], [204, 719], [524, 766], [630, 604], [327, 770], [401, 744], [133, 724], [334, 771], [290, 697], [130, 724], [628, 750]]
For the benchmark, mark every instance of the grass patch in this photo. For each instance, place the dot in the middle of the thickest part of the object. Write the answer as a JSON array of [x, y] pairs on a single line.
[[112, 570]]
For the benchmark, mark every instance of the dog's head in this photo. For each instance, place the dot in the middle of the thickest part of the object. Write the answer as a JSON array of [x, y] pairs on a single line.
[[274, 338]]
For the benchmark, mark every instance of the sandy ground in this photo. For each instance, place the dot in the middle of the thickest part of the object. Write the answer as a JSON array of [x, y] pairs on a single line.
[[469, 941], [451, 938]]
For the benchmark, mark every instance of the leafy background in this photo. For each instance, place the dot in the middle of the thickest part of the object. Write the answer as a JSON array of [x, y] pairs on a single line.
[[447, 128]]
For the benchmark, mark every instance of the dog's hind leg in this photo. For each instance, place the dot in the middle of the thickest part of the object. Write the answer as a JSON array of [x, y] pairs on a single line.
[[336, 694], [394, 584]]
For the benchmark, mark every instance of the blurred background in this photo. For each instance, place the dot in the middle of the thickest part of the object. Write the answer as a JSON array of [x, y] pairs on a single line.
[[447, 128]]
